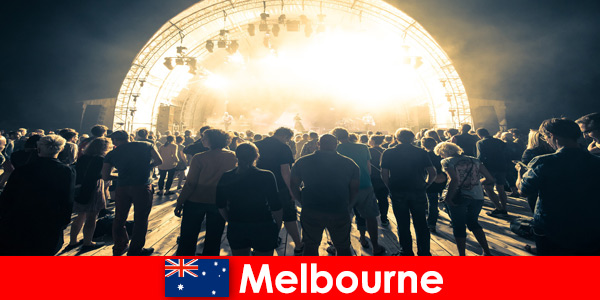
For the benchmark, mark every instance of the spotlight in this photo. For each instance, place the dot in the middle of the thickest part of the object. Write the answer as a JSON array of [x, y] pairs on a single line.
[[267, 41], [275, 30], [281, 19], [418, 62], [293, 25], [181, 50], [210, 46], [264, 16], [192, 64], [263, 27], [303, 19], [223, 32], [251, 29], [222, 43], [168, 63], [233, 47], [308, 30], [179, 61]]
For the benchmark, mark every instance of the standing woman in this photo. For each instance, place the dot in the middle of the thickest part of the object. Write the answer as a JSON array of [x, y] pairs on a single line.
[[198, 196], [248, 200], [182, 164], [170, 155], [91, 197], [381, 191], [464, 180]]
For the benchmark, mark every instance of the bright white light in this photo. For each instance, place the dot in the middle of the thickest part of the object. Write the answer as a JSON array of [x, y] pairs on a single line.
[[215, 81]]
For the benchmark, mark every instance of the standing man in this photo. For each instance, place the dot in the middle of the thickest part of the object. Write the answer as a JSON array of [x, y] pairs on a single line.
[[365, 202], [407, 171], [493, 154], [330, 184], [276, 156], [134, 162], [567, 189], [466, 141]]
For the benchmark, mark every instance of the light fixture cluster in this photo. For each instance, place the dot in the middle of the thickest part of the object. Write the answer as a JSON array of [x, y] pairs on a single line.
[[223, 42], [180, 60], [274, 27], [415, 61]]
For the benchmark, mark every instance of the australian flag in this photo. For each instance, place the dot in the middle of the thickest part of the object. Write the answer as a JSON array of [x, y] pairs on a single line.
[[196, 278]]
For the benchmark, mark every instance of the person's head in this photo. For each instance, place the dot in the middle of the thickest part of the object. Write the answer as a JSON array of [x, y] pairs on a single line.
[[215, 139], [170, 140], [2, 143], [257, 137], [369, 133], [70, 135], [388, 138], [50, 145], [515, 132], [482, 132], [283, 134], [98, 147], [405, 136], [142, 133], [31, 142], [305, 137], [451, 132], [179, 140], [250, 134], [341, 134], [465, 128], [202, 130], [353, 138], [441, 133], [590, 126], [432, 134], [119, 137], [14, 135], [447, 149], [328, 142], [313, 135], [428, 143], [187, 133], [559, 133], [298, 138], [364, 139], [23, 131], [168, 132], [507, 137], [39, 132], [535, 140], [376, 140], [98, 130], [246, 154]]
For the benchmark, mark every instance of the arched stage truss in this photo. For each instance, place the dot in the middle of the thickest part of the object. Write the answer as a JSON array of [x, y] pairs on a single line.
[[149, 84]]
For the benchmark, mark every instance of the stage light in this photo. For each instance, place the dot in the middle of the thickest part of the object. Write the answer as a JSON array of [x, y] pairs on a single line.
[[267, 41], [418, 62], [181, 50], [223, 32], [222, 43], [210, 46], [251, 29], [275, 30], [303, 19], [281, 19], [192, 64], [168, 63], [233, 47], [179, 61], [308, 30], [293, 25]]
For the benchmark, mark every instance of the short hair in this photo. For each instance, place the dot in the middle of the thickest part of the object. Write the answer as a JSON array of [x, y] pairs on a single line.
[[188, 133], [452, 131], [143, 133], [507, 136], [31, 142], [428, 143], [119, 135], [51, 144], [313, 135], [388, 138], [218, 138], [377, 140], [465, 128], [204, 128], [284, 132], [98, 147], [447, 149], [405, 135], [483, 132], [246, 153], [561, 128], [249, 133], [515, 131], [353, 137], [98, 130], [591, 120], [170, 140], [179, 139], [257, 137], [364, 138], [305, 136], [340, 133], [328, 141], [68, 133]]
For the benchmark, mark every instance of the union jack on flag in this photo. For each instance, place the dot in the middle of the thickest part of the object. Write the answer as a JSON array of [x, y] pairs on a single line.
[[196, 277], [180, 268]]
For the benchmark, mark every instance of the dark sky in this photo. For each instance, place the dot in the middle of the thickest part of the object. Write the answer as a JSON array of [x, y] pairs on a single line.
[[541, 57]]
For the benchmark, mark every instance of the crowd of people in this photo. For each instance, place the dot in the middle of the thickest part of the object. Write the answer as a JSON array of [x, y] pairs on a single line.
[[254, 184]]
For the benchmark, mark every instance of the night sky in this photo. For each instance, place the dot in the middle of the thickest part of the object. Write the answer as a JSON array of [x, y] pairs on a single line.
[[541, 57]]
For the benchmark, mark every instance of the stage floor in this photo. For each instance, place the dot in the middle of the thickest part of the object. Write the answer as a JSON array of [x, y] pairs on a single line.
[[163, 230]]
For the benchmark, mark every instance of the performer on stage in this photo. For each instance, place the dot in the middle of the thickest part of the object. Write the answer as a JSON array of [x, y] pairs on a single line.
[[298, 123], [227, 120]]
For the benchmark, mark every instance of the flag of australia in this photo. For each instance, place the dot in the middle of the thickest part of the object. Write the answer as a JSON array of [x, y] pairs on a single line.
[[196, 278]]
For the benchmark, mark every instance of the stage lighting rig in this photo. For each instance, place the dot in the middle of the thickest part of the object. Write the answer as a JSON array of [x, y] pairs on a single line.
[[169, 63], [275, 30], [182, 59], [263, 26], [210, 46], [251, 29]]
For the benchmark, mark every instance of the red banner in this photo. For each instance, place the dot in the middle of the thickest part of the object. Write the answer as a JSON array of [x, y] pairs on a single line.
[[301, 277]]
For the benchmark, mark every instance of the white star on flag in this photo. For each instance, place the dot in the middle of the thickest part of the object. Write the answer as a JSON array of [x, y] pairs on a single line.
[[224, 269], [180, 287], [216, 263], [214, 292], [203, 273]]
